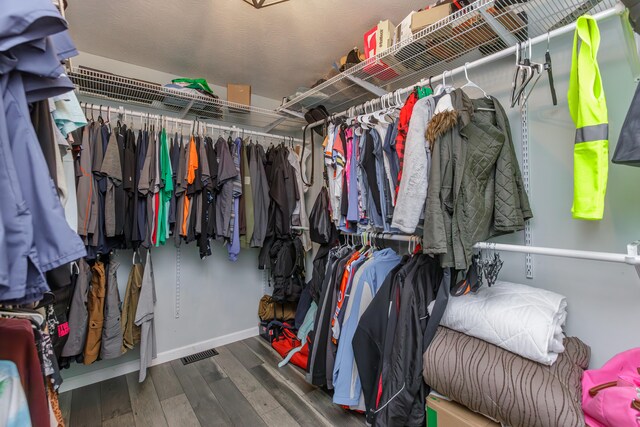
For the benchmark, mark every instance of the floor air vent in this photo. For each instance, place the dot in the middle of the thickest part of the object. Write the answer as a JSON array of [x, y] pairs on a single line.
[[199, 356]]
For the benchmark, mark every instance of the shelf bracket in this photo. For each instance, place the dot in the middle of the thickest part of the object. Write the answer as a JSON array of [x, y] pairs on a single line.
[[291, 113], [370, 87], [504, 34], [632, 253], [270, 126], [185, 110]]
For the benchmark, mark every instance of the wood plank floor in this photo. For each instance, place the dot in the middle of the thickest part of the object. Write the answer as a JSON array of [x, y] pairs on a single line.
[[242, 386]]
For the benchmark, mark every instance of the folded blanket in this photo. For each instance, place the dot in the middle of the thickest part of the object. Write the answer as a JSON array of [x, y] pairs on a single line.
[[504, 386], [524, 320]]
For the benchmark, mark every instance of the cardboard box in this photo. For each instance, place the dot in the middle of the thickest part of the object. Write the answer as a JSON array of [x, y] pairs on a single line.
[[385, 35], [424, 18], [379, 38], [404, 29], [240, 94], [443, 413]]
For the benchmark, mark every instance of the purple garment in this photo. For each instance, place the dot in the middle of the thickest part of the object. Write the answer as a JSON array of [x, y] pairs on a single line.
[[234, 246]]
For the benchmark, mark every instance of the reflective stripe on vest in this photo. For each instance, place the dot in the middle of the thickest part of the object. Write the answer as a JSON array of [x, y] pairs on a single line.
[[588, 108]]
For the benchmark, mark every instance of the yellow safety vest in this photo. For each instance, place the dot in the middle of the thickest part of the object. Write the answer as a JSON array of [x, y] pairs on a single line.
[[588, 108]]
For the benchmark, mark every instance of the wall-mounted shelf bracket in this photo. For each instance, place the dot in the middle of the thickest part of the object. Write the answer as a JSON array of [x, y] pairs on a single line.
[[370, 87], [632, 253], [504, 34]]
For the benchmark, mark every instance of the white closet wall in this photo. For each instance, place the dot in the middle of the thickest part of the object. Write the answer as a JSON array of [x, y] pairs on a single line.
[[602, 297]]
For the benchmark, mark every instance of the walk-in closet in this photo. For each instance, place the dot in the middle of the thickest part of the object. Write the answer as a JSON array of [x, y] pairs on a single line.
[[319, 213]]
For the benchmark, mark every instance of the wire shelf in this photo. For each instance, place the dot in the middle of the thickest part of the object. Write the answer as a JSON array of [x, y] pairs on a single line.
[[101, 85], [478, 30]]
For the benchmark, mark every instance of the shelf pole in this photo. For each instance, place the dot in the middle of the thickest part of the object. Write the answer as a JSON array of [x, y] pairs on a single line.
[[627, 258]]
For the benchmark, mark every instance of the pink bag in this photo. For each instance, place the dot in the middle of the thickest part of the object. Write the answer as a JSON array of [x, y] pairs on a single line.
[[611, 394]]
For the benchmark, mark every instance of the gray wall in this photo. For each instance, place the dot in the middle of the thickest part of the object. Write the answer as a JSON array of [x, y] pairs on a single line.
[[602, 297]]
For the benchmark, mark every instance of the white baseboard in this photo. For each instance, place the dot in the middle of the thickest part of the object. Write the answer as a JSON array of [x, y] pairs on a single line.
[[166, 356]]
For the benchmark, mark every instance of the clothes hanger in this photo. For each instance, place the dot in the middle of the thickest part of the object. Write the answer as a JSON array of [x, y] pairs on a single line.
[[441, 88], [526, 70], [23, 314], [471, 84]]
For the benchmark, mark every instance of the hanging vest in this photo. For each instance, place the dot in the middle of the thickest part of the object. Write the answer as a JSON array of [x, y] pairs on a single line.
[[588, 109]]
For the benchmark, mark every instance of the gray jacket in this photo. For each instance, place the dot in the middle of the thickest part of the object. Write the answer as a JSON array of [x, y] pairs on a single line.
[[417, 160], [78, 314], [111, 329], [475, 186]]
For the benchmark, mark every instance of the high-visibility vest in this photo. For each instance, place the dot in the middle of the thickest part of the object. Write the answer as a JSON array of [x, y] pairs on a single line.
[[588, 108]]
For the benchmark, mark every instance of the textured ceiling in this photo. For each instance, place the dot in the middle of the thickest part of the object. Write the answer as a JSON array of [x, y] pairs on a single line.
[[275, 49]]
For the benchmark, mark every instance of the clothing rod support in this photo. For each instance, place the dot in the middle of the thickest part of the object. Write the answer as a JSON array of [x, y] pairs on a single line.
[[618, 9], [630, 257], [189, 123]]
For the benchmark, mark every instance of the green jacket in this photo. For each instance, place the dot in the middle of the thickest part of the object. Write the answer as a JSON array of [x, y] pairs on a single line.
[[475, 185]]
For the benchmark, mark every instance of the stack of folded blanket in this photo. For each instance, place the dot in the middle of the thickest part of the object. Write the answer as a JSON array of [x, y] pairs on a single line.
[[502, 352]]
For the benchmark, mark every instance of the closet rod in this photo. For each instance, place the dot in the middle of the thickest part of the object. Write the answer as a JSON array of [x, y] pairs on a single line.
[[143, 115], [386, 236], [631, 257], [618, 9]]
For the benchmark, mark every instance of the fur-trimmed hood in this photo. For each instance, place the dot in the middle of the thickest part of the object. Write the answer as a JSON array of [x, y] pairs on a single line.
[[451, 108]]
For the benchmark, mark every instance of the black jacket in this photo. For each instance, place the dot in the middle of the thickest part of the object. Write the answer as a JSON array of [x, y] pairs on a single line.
[[403, 389], [369, 339]]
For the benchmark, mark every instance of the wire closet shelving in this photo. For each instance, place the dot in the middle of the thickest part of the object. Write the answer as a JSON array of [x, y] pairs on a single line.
[[476, 31], [99, 85]]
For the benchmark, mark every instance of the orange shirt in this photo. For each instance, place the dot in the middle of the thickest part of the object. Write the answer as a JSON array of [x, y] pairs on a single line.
[[192, 165]]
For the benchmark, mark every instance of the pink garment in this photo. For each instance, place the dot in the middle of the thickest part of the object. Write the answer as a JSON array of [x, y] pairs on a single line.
[[611, 394]]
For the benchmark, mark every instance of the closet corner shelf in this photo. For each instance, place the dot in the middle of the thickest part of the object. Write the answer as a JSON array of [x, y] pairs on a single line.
[[476, 31], [118, 89]]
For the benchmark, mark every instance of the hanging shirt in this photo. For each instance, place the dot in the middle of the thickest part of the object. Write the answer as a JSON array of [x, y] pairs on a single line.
[[190, 176], [166, 190]]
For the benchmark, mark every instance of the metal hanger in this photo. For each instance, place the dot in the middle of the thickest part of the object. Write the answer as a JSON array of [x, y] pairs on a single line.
[[525, 71]]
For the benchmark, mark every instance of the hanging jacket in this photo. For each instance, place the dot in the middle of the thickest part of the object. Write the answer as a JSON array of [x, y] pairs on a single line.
[[78, 314], [588, 108], [475, 185], [260, 189], [95, 306], [317, 367], [131, 331], [111, 330], [368, 340], [415, 173], [403, 394]]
